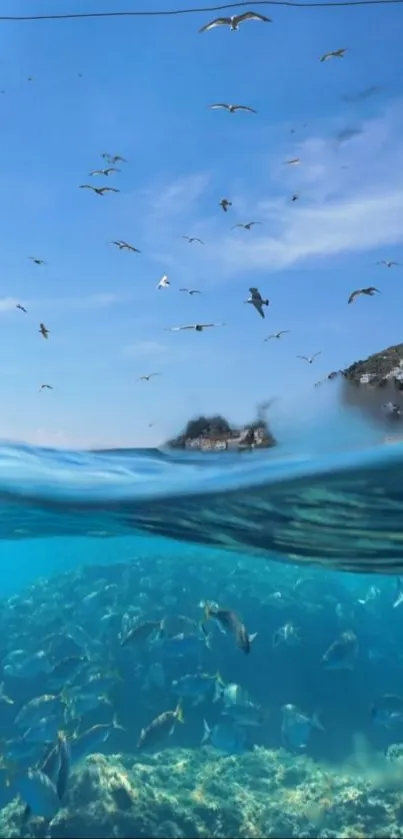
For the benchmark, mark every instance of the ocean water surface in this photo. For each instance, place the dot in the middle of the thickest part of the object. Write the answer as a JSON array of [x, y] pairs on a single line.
[[332, 499]]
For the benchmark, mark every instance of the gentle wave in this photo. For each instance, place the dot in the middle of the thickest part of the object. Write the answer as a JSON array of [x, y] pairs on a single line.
[[343, 509]]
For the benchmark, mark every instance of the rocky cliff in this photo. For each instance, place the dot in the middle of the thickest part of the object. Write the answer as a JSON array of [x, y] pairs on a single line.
[[376, 382]]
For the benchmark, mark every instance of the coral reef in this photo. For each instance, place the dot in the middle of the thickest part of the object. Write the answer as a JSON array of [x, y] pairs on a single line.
[[198, 793], [215, 433]]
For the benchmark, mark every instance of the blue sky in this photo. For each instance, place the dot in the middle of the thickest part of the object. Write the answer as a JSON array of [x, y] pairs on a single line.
[[144, 93]]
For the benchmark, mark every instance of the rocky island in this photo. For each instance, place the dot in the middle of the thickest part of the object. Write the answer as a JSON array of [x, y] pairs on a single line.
[[215, 433]]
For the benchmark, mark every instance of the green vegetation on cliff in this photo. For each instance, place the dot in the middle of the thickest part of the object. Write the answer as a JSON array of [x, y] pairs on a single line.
[[377, 367]]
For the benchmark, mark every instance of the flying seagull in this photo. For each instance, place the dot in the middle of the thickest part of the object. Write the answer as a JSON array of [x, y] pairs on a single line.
[[295, 161], [191, 239], [112, 159], [191, 290], [295, 197], [246, 226], [198, 327], [104, 171], [147, 378], [44, 332], [370, 291], [99, 189], [22, 308], [45, 387], [388, 263], [234, 21], [225, 203], [164, 282], [277, 334], [257, 301], [124, 246], [37, 261], [232, 108], [309, 358], [333, 54]]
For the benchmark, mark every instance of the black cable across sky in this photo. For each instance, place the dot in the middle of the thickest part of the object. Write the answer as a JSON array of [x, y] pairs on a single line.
[[177, 12]]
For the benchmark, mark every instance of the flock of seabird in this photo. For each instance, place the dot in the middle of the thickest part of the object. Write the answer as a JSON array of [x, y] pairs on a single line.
[[255, 298]]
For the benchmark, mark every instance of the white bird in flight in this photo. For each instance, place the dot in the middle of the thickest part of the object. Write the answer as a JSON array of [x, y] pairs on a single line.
[[112, 159], [45, 387], [309, 358], [257, 301], [295, 161], [105, 172], [124, 246], [164, 282], [234, 20], [232, 108], [198, 327], [191, 290], [246, 226], [388, 263], [191, 239], [277, 334], [147, 378], [334, 54], [370, 291], [21, 307], [100, 190]]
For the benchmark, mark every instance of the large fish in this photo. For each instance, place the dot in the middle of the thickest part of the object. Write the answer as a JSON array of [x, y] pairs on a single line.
[[161, 727]]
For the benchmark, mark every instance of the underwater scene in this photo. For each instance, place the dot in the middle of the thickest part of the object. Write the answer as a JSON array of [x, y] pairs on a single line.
[[154, 683]]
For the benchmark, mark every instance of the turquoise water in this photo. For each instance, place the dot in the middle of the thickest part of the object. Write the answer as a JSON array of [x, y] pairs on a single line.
[[337, 508], [92, 541]]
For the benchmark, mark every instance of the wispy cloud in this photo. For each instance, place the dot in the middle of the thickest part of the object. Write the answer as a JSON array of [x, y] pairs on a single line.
[[340, 210], [340, 226], [178, 197], [350, 200]]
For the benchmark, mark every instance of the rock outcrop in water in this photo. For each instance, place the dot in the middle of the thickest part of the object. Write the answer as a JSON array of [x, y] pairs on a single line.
[[216, 434], [372, 383]]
